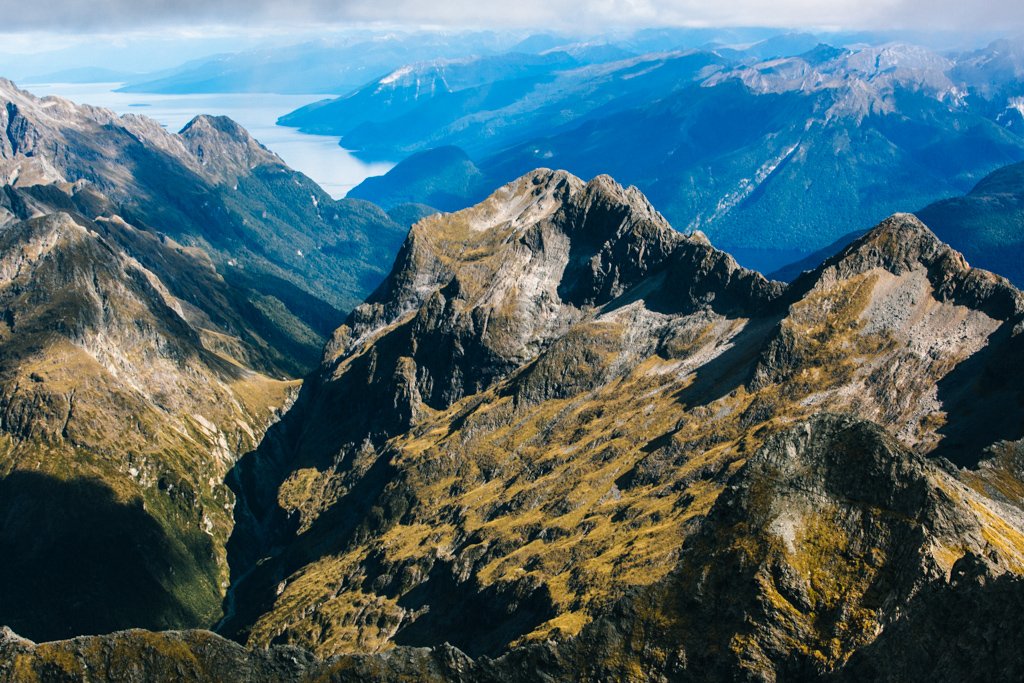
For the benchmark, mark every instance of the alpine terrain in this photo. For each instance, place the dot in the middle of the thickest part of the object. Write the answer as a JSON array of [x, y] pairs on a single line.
[[562, 438]]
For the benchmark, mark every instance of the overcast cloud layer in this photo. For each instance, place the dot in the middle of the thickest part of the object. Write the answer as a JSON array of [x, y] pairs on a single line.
[[100, 15]]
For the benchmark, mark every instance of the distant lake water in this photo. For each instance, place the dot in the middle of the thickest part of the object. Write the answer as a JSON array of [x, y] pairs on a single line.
[[318, 156]]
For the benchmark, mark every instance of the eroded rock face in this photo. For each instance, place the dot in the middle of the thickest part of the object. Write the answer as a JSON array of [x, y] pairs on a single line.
[[540, 408]]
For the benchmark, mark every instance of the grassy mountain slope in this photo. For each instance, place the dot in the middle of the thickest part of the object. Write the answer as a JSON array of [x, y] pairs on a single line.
[[556, 390]]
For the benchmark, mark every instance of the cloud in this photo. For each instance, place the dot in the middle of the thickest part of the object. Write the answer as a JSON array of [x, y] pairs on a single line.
[[98, 15]]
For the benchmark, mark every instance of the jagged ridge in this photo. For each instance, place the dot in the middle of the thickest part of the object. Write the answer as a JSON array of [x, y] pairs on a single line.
[[553, 390]]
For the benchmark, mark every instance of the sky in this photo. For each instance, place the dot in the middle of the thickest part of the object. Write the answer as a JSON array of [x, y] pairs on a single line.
[[78, 16], [40, 37]]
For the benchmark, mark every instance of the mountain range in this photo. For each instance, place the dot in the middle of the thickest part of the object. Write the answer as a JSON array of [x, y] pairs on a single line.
[[353, 56], [319, 66], [559, 439], [823, 142]]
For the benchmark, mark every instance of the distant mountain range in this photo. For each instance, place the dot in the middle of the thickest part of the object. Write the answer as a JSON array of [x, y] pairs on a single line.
[[322, 66], [773, 158], [343, 63]]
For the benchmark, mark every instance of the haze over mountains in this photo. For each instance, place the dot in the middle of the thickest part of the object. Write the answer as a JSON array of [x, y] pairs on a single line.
[[736, 145], [553, 431], [730, 131]]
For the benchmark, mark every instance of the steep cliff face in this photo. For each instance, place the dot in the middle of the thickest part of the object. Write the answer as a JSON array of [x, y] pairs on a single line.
[[538, 410]]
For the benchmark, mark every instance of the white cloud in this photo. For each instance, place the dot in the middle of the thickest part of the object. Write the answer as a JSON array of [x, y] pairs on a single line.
[[75, 15]]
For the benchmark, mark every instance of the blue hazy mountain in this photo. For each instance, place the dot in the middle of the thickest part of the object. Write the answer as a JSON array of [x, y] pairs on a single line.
[[341, 63], [486, 105], [986, 224], [409, 108], [319, 66], [771, 158], [441, 178]]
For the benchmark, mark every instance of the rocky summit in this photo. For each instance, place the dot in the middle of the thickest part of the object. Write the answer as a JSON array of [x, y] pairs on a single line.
[[559, 441]]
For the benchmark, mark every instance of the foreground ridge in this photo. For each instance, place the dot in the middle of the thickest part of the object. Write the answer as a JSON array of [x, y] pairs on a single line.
[[778, 571]]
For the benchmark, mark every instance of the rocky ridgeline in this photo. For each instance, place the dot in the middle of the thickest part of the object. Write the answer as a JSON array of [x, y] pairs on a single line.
[[554, 401]]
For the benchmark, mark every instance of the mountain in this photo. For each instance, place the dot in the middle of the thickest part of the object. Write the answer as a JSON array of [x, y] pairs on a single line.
[[320, 66], [823, 142], [575, 423], [293, 257], [564, 441], [354, 57], [424, 98], [121, 410], [582, 444], [493, 102], [441, 178], [155, 305], [986, 224]]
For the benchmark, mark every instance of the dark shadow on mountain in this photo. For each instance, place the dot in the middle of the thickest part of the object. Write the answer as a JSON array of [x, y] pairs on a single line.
[[478, 620], [954, 632], [732, 368], [321, 317], [263, 528], [74, 560], [985, 397]]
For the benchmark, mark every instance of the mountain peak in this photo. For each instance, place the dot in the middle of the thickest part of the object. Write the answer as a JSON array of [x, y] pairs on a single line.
[[224, 148], [207, 123], [898, 244], [901, 244], [544, 249]]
